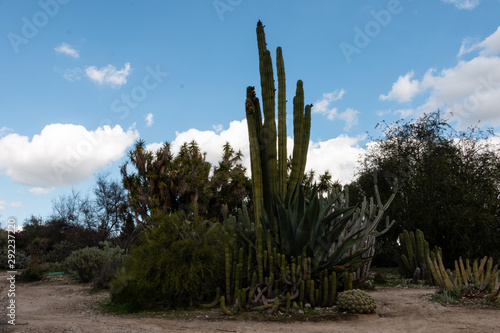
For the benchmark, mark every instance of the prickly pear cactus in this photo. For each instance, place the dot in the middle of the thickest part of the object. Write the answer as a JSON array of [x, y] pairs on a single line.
[[356, 301]]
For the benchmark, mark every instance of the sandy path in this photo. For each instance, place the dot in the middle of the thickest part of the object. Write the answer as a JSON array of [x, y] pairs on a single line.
[[59, 306]]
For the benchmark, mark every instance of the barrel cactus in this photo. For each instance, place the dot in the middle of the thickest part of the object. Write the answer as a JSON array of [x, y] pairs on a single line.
[[356, 301]]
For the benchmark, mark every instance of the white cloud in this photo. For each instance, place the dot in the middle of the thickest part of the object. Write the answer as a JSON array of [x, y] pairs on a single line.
[[218, 128], [73, 74], [212, 142], [488, 47], [13, 204], [153, 147], [464, 4], [350, 116], [16, 204], [68, 50], [403, 90], [324, 107], [338, 155], [469, 92], [62, 154], [109, 75], [41, 190], [149, 120], [5, 130]]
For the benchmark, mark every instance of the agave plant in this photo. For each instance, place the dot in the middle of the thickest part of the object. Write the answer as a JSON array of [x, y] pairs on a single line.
[[308, 225]]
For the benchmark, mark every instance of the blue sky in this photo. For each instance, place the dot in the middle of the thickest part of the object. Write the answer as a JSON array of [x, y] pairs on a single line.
[[81, 81]]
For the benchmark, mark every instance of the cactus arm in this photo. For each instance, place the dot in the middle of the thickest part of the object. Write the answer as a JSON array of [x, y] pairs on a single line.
[[298, 117], [282, 149], [223, 306], [254, 125]]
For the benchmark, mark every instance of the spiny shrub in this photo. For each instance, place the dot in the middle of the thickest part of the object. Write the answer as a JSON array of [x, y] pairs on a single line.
[[180, 263]]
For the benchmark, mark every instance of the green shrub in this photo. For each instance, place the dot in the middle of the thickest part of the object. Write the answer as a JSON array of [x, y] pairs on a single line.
[[106, 273], [22, 259], [32, 273], [92, 264], [179, 264], [83, 264], [59, 252]]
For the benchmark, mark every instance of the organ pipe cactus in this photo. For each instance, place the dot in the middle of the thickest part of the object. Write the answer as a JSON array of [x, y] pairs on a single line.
[[269, 166]]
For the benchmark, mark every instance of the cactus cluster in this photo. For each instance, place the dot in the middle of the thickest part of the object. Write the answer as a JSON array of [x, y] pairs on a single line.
[[270, 280], [356, 301], [414, 251], [482, 276]]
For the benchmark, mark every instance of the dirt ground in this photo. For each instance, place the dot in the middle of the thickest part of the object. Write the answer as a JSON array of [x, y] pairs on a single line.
[[59, 305]]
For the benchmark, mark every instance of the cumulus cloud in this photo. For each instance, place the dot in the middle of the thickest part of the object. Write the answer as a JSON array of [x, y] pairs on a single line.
[[338, 155], [62, 154], [403, 90], [464, 4], [68, 50], [469, 92], [149, 120], [109, 75], [2, 205], [323, 106]]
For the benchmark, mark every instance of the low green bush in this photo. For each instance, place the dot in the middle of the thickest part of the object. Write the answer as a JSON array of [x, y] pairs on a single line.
[[92, 264], [180, 263], [32, 273]]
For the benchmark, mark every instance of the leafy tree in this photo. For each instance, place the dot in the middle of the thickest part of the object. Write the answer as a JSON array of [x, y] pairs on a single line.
[[449, 184]]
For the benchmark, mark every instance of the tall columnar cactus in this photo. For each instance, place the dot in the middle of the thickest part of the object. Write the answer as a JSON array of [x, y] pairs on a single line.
[[269, 166], [414, 251]]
